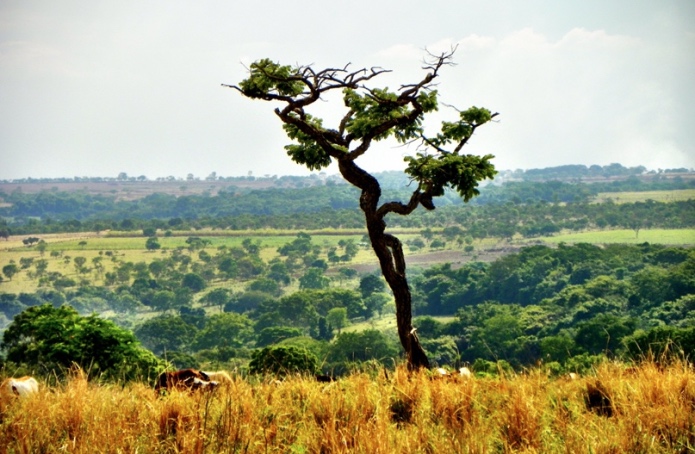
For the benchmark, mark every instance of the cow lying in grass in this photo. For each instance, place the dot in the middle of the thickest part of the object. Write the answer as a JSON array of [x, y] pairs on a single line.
[[185, 379], [22, 387], [464, 373]]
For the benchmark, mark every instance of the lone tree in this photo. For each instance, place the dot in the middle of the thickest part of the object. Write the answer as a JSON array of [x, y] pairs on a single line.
[[372, 115]]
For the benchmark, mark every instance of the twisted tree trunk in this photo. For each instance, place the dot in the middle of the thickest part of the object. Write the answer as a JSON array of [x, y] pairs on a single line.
[[389, 251]]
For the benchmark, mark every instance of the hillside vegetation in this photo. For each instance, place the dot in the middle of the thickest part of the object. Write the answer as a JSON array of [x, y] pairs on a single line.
[[535, 272]]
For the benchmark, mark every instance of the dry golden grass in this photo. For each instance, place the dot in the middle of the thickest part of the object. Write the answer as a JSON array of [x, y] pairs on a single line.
[[651, 410]]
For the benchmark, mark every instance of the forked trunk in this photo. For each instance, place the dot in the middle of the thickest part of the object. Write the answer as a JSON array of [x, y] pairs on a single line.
[[389, 251]]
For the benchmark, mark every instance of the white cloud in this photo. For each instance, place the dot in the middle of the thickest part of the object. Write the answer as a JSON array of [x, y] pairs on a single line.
[[580, 37]]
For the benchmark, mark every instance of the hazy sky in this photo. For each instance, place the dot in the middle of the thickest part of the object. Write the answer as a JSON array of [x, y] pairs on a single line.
[[95, 88]]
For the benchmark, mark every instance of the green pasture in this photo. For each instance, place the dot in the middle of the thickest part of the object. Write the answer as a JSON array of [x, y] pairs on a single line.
[[643, 196], [385, 323], [61, 250], [655, 236], [120, 243]]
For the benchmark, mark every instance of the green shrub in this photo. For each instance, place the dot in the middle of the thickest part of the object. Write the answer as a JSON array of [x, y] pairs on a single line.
[[282, 360]]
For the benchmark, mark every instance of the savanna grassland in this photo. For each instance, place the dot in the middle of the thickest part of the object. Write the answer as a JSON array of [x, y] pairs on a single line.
[[130, 247], [112, 248], [643, 196], [645, 409]]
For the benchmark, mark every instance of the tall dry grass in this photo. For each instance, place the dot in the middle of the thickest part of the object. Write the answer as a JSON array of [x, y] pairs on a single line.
[[617, 410]]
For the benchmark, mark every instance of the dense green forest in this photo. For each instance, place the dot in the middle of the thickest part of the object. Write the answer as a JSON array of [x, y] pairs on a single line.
[[564, 307]]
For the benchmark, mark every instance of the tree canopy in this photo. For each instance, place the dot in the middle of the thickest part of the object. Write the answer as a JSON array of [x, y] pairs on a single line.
[[53, 339]]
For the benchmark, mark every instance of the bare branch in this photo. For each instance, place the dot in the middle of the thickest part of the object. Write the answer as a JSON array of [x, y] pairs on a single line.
[[430, 144], [465, 140], [400, 208]]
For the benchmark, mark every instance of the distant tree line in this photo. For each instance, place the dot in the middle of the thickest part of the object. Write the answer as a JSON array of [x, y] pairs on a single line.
[[488, 221], [82, 205], [572, 171], [576, 171], [547, 208]]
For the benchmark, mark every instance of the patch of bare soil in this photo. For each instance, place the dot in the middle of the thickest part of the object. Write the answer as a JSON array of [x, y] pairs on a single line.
[[456, 258]]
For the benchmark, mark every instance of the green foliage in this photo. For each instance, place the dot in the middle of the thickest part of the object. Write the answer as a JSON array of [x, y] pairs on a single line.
[[152, 244], [313, 278], [442, 350], [53, 339], [363, 346], [265, 285], [193, 282], [10, 270], [283, 360], [224, 330], [337, 318], [661, 343], [379, 106], [275, 334], [370, 284], [266, 76], [166, 333], [306, 152], [217, 297], [460, 172]]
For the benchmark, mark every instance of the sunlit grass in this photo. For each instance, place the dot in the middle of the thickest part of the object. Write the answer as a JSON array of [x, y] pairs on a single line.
[[132, 249], [655, 236], [642, 196], [651, 411], [387, 323]]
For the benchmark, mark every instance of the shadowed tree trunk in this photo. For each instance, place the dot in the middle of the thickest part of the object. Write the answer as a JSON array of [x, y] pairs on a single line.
[[389, 251]]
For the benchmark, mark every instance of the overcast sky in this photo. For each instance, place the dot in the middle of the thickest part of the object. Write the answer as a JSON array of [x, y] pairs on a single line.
[[95, 88]]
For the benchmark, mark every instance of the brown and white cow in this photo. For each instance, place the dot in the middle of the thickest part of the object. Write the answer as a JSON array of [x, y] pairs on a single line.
[[220, 376], [22, 387], [184, 379]]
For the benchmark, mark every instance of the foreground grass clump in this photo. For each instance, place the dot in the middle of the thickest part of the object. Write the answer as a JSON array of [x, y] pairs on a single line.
[[644, 409]]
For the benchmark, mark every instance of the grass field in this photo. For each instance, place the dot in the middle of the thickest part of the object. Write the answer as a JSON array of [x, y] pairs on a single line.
[[385, 323], [62, 248], [615, 409], [655, 236], [657, 196]]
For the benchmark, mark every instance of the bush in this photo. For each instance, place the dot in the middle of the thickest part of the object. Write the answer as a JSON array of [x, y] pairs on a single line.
[[661, 343], [55, 339], [283, 361]]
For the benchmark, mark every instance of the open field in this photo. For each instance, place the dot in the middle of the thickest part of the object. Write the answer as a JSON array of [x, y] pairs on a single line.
[[115, 248], [655, 236], [643, 196], [385, 323], [645, 409]]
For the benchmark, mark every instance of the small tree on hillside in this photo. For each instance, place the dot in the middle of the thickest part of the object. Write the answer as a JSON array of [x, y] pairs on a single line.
[[10, 270], [374, 114]]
